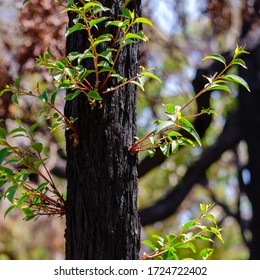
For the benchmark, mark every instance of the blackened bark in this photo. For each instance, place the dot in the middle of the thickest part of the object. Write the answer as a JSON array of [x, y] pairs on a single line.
[[102, 219]]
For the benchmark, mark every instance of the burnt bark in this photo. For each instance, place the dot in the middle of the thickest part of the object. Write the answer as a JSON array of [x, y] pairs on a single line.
[[101, 208]]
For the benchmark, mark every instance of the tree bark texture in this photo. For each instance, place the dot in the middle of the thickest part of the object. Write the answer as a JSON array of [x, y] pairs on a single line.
[[101, 208]]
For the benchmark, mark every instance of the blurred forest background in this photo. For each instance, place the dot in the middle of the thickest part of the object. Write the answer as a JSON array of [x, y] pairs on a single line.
[[224, 171]]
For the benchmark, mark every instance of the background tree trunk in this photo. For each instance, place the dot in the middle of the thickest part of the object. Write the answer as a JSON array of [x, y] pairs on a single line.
[[102, 220]]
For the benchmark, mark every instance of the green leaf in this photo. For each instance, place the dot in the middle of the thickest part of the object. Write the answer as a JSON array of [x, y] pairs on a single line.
[[10, 209], [215, 231], [60, 65], [117, 23], [6, 89], [73, 55], [211, 217], [138, 84], [96, 21], [170, 108], [151, 152], [44, 97], [209, 111], [190, 128], [15, 98], [25, 1], [2, 133], [28, 212], [10, 192], [217, 57], [157, 237], [71, 72], [91, 5], [37, 147], [125, 4], [107, 54], [99, 41], [203, 237], [189, 224], [107, 69], [3, 154], [174, 146], [144, 21], [219, 87], [205, 253], [66, 84], [151, 75], [240, 62], [138, 36], [191, 246], [150, 244], [42, 186], [18, 129], [22, 199], [17, 82], [203, 207], [76, 27], [165, 148], [174, 134], [193, 132], [53, 97], [71, 96], [163, 126], [94, 95], [33, 127], [236, 79]]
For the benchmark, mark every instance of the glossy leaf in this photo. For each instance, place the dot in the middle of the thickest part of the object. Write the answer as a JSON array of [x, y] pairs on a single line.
[[151, 75], [149, 244], [163, 126], [96, 21], [217, 57], [219, 87], [94, 95], [2, 133], [37, 147], [236, 79], [76, 27], [189, 224], [144, 21]]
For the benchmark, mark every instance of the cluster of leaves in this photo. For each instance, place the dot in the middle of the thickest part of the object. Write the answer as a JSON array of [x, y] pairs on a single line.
[[69, 73], [167, 135], [17, 164], [170, 248], [101, 55]]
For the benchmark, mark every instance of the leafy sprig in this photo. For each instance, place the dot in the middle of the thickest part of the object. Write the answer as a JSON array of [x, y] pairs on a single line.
[[166, 136], [169, 248]]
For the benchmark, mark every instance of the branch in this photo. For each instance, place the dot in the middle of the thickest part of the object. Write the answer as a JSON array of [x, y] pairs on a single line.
[[230, 136]]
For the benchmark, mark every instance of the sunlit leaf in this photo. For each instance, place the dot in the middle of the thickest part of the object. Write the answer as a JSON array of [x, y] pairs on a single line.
[[151, 75], [217, 57], [144, 21], [76, 27], [236, 79], [94, 95]]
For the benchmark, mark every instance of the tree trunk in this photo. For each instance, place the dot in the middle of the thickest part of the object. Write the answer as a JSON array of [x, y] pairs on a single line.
[[101, 208]]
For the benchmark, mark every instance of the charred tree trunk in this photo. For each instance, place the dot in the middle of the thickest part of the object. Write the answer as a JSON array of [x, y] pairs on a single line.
[[102, 219]]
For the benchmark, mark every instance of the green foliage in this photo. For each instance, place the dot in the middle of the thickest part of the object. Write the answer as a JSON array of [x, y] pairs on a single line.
[[17, 163], [69, 73], [170, 247], [165, 135]]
